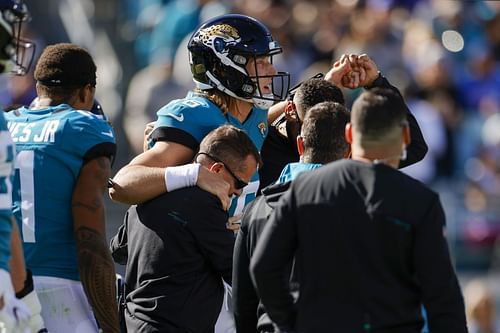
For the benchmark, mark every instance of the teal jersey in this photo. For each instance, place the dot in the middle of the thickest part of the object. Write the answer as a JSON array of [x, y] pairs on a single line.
[[187, 121], [6, 169], [292, 170], [52, 145]]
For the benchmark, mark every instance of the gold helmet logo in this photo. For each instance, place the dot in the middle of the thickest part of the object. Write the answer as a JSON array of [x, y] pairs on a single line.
[[219, 36]]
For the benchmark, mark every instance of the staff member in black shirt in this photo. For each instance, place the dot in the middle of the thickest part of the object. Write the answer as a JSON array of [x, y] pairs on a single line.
[[321, 141], [179, 247], [368, 240]]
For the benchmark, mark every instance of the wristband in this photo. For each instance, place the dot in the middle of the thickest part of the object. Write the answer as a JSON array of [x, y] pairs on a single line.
[[377, 82], [181, 176], [28, 285]]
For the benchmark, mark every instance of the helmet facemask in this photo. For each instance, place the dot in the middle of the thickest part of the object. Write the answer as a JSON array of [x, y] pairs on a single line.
[[279, 84], [16, 54]]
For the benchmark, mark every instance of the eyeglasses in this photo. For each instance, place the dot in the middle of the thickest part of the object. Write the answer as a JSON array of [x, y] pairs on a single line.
[[239, 184]]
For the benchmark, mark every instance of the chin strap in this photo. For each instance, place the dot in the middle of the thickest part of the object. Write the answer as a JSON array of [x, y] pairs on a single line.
[[263, 103]]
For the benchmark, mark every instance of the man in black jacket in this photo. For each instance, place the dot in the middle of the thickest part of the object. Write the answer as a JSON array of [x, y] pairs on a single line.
[[179, 248], [279, 146], [321, 141], [372, 246]]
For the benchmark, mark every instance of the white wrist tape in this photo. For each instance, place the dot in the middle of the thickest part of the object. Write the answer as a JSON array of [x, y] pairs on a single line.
[[181, 176], [35, 321]]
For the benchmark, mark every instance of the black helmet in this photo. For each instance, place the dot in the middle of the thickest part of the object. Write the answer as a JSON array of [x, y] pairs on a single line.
[[219, 51], [16, 54]]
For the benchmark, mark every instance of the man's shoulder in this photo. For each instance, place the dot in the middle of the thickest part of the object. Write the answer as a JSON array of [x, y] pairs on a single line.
[[82, 122], [188, 106], [187, 205], [187, 199], [350, 171]]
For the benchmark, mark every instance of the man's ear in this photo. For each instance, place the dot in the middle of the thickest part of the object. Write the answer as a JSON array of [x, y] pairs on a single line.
[[82, 93], [86, 94], [216, 167], [300, 145], [348, 133], [289, 111]]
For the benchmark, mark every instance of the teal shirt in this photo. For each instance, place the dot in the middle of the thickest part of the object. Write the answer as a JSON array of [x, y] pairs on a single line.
[[292, 170]]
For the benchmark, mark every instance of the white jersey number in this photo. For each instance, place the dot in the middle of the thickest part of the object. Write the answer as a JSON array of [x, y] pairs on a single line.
[[24, 165]]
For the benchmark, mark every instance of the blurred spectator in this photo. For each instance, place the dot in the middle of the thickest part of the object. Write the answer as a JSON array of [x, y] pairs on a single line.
[[150, 89]]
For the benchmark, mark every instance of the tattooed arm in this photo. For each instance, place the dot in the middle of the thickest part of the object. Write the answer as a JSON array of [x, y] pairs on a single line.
[[96, 266]]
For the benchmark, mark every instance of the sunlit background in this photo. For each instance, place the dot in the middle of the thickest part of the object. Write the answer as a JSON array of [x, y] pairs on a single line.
[[443, 55]]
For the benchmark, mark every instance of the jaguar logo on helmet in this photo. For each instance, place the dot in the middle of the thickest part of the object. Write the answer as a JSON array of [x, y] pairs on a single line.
[[220, 38], [220, 30]]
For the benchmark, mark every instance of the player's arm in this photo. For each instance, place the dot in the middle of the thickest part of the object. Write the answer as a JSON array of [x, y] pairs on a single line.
[[144, 177], [275, 111], [17, 264], [96, 266], [417, 149]]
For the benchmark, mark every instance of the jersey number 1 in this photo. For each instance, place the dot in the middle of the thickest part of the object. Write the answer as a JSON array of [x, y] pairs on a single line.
[[24, 173]]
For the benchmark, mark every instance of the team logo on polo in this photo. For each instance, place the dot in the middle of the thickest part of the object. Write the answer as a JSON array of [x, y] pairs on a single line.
[[262, 128]]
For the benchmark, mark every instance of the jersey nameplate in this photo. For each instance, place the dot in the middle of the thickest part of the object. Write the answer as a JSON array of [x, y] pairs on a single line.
[[34, 132]]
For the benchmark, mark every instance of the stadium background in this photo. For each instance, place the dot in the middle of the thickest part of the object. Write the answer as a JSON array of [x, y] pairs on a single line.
[[443, 55]]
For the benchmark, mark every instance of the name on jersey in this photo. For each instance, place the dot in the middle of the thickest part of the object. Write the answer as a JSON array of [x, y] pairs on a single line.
[[31, 132]]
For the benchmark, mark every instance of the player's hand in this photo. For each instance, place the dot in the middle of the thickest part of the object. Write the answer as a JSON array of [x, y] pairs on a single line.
[[215, 184], [370, 69], [147, 133], [234, 223], [357, 74], [340, 68], [13, 312]]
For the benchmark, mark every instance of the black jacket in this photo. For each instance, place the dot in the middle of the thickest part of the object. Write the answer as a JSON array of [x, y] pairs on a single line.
[[369, 249], [277, 151], [248, 312], [179, 249]]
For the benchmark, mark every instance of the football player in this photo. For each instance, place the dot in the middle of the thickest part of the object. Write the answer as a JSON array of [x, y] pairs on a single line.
[[62, 168], [236, 82]]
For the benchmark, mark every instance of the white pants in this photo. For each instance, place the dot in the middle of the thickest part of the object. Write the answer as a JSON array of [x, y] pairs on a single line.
[[65, 308], [225, 322]]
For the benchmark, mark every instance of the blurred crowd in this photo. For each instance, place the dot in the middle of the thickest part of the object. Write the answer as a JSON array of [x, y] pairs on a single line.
[[443, 54]]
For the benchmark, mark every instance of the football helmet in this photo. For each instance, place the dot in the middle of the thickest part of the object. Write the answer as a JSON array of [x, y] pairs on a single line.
[[219, 51], [16, 54]]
